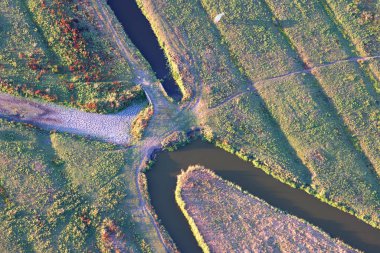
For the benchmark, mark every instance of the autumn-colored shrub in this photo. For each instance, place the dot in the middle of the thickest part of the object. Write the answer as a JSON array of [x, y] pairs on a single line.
[[141, 122]]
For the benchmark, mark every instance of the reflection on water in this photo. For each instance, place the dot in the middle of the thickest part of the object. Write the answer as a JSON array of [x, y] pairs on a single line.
[[162, 181]]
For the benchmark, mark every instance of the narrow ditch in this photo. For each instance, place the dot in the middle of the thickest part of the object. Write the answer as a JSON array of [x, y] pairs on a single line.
[[138, 29]]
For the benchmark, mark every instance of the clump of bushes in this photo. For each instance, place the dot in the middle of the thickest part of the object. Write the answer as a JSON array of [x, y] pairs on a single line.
[[63, 32], [112, 98], [141, 122], [110, 233], [175, 141], [60, 54]]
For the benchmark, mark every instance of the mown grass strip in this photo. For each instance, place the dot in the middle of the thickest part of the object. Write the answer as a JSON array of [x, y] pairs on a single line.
[[360, 22], [251, 23], [244, 125], [348, 87]]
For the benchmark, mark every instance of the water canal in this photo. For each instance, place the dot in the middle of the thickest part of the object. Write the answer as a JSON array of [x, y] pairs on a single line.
[[138, 29], [162, 180]]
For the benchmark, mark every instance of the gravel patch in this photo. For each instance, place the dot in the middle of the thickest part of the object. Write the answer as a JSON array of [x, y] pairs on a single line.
[[113, 128]]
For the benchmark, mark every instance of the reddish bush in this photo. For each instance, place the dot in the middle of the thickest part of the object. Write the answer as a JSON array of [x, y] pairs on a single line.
[[92, 106]]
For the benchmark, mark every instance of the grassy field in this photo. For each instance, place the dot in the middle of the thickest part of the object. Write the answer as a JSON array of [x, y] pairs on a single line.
[[224, 219], [64, 193], [262, 137], [317, 128], [322, 144], [352, 93], [360, 22], [58, 51]]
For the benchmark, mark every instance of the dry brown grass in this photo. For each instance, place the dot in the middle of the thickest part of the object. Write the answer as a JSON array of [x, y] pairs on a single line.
[[225, 219]]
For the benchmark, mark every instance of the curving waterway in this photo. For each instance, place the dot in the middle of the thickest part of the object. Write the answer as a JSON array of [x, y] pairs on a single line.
[[138, 29], [163, 176], [162, 180]]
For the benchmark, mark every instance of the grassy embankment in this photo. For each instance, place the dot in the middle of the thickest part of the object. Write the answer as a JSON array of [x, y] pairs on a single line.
[[64, 193], [57, 51], [300, 126], [225, 219]]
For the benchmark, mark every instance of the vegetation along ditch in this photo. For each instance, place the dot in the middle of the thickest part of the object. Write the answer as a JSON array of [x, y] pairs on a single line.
[[141, 34]]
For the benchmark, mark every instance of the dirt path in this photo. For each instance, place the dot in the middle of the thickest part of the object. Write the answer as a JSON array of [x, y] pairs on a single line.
[[309, 70]]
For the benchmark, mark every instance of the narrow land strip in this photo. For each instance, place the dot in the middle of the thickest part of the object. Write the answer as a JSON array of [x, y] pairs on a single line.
[[225, 219]]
